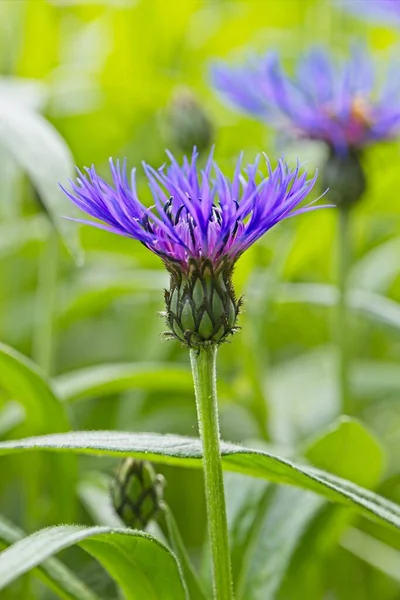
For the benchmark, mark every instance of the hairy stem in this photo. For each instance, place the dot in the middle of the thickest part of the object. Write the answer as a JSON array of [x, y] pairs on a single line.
[[203, 363]]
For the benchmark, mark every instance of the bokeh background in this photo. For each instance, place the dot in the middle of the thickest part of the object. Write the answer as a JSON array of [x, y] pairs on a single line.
[[83, 304]]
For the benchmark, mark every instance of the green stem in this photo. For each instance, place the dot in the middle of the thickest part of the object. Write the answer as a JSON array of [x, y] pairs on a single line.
[[343, 313], [45, 304], [203, 363]]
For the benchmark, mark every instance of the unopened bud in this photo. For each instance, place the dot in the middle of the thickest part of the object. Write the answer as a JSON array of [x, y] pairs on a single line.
[[344, 176], [201, 306], [137, 493], [188, 123]]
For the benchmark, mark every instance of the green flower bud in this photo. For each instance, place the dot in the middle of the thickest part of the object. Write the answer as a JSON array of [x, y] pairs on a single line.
[[201, 306], [344, 176], [137, 493], [188, 123]]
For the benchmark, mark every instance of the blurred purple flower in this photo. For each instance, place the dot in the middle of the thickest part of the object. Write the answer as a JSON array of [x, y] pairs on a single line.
[[322, 101], [197, 215], [387, 10]]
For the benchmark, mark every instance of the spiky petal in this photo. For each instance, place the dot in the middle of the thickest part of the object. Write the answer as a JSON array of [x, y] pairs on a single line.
[[200, 224]]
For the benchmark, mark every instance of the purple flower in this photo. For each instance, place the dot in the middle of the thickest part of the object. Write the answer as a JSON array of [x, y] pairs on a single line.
[[200, 224], [323, 101], [387, 10], [197, 214]]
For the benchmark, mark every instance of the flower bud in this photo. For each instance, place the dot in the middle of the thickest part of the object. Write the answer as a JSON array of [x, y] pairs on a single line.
[[188, 123], [201, 306], [344, 176], [137, 492]]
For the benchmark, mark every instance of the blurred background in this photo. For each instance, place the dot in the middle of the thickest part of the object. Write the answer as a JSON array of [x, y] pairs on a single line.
[[83, 81]]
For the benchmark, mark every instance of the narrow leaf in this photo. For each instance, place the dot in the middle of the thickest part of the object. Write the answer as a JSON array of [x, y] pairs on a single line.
[[286, 517], [52, 572], [142, 566], [374, 552], [40, 150], [349, 450], [25, 384], [11, 415], [22, 379], [186, 452], [110, 379]]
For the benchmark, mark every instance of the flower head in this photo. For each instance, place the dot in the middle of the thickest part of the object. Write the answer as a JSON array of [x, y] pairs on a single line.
[[324, 101], [386, 10], [200, 224]]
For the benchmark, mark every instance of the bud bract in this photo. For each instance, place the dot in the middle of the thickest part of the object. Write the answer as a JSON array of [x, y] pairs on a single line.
[[188, 123], [137, 492], [344, 176], [201, 305]]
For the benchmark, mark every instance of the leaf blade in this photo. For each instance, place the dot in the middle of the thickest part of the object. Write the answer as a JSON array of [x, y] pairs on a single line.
[[44, 413], [184, 451], [113, 378], [53, 572], [128, 555], [41, 151], [330, 451]]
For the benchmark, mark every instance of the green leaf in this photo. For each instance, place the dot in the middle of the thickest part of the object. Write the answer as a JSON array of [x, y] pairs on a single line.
[[286, 516], [374, 552], [349, 450], [311, 561], [186, 452], [11, 415], [52, 572], [142, 566], [377, 269], [247, 500], [112, 378], [266, 525], [40, 150], [25, 384]]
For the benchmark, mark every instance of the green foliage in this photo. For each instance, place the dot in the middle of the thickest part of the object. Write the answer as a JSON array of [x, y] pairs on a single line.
[[40, 151], [23, 380], [347, 449], [54, 574], [103, 380], [131, 558]]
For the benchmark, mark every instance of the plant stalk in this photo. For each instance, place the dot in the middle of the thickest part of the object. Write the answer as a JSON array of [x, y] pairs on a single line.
[[343, 333], [203, 363]]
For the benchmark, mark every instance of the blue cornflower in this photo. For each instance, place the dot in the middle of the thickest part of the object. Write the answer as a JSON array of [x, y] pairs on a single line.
[[386, 10], [336, 104], [200, 224]]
